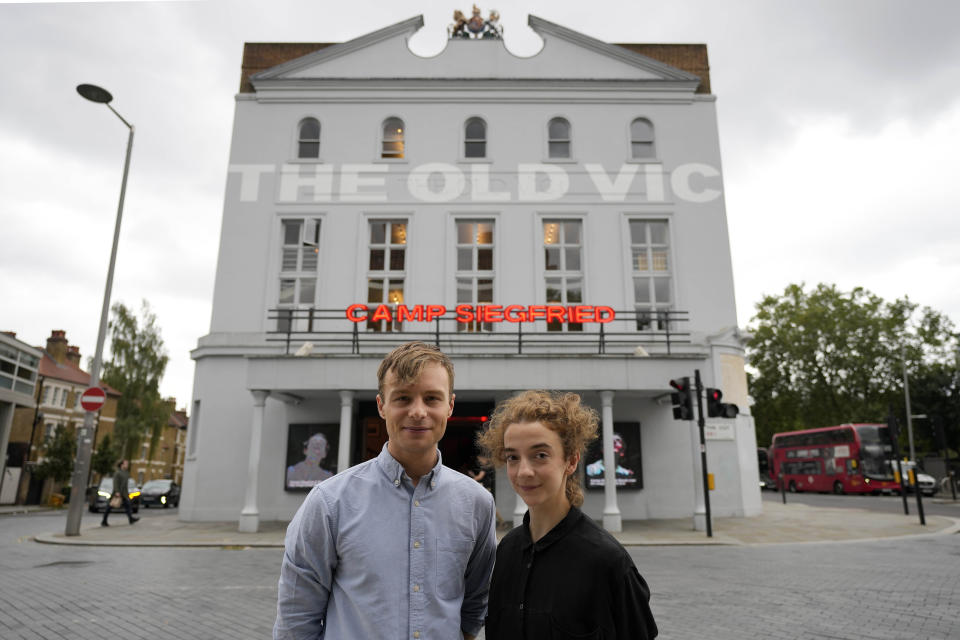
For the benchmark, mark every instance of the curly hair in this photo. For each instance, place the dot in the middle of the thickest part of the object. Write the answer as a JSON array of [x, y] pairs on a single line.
[[407, 362], [562, 413]]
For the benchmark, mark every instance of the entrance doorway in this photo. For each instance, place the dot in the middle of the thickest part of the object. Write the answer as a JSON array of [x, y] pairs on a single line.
[[458, 445]]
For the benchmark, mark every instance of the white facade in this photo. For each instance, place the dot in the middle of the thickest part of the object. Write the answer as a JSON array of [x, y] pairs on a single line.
[[249, 386]]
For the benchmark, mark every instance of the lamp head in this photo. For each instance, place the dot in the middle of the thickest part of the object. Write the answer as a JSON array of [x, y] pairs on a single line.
[[93, 93]]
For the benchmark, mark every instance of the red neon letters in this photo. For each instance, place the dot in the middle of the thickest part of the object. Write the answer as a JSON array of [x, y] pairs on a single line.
[[482, 313]]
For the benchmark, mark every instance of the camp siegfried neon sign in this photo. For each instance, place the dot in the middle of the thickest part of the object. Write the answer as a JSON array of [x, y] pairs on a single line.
[[576, 314]]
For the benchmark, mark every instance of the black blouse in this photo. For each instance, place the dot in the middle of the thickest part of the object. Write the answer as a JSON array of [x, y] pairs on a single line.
[[576, 582]]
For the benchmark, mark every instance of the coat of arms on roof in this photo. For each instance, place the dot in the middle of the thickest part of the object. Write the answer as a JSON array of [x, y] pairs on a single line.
[[476, 27]]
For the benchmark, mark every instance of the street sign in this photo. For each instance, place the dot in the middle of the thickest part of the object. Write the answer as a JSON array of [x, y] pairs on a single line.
[[92, 399]]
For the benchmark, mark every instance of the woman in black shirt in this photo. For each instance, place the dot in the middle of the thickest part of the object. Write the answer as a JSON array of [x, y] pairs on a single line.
[[560, 575]]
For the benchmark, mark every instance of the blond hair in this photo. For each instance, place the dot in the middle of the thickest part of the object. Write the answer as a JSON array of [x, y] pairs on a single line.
[[407, 362], [562, 413]]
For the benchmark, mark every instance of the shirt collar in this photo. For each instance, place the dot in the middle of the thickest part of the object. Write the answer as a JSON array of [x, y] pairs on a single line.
[[559, 531], [394, 470]]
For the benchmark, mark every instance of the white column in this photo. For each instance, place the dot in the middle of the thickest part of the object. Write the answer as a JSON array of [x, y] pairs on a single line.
[[699, 505], [250, 516], [611, 512], [346, 429]]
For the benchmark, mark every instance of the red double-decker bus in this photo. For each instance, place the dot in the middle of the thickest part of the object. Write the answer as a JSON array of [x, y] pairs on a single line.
[[850, 458]]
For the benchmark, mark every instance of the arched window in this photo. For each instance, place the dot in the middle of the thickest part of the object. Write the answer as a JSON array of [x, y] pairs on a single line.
[[392, 142], [308, 138], [475, 138], [558, 138], [641, 139]]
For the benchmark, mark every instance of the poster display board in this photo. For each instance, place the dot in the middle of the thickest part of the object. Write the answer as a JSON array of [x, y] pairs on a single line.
[[626, 454], [311, 455]]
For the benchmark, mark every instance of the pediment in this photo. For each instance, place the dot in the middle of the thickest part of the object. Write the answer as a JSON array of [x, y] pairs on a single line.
[[385, 54]]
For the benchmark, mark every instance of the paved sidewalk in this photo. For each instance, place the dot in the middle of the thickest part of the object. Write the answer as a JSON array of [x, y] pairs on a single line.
[[778, 524]]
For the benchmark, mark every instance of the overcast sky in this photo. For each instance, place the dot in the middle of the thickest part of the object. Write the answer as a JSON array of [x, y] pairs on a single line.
[[839, 129]]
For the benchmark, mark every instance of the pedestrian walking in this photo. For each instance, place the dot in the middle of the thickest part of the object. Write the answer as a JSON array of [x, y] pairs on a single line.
[[120, 480], [399, 546], [559, 574]]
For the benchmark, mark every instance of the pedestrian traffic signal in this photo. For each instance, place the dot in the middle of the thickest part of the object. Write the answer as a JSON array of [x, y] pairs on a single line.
[[718, 409], [682, 399]]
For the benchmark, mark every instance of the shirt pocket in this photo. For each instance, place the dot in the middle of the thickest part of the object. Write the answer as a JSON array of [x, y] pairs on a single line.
[[452, 557]]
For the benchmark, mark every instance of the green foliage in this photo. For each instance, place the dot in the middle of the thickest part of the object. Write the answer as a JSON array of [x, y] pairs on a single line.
[[935, 392], [138, 361], [60, 451], [824, 357], [105, 458]]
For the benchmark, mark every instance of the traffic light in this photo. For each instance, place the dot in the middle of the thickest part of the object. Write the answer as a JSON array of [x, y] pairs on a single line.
[[718, 409], [682, 399]]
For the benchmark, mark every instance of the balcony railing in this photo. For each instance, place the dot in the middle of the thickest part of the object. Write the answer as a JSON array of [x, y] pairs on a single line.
[[331, 332]]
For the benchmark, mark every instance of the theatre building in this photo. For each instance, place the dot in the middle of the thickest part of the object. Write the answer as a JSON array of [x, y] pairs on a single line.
[[554, 221]]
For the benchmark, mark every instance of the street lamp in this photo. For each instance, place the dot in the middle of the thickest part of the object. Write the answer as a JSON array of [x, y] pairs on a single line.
[[81, 469]]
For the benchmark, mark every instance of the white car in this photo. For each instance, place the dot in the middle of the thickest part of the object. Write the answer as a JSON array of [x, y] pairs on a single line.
[[927, 484]]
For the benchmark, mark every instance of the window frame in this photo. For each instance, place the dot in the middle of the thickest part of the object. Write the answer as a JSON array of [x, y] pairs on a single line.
[[485, 140], [298, 140], [563, 273], [382, 141], [653, 157], [654, 307], [568, 140], [300, 273], [386, 277], [474, 274]]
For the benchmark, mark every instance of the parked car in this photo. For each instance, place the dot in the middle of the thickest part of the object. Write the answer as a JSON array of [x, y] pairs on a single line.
[[99, 500], [160, 493], [927, 484], [768, 483]]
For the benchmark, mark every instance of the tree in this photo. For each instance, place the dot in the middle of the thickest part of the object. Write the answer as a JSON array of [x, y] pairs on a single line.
[[60, 450], [105, 458], [136, 366], [935, 392], [826, 357]]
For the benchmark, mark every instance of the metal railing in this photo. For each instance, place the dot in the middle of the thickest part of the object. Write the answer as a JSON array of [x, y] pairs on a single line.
[[330, 331]]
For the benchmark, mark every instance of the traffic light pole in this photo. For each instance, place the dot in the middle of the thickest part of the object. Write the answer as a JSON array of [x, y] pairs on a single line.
[[701, 423], [894, 440]]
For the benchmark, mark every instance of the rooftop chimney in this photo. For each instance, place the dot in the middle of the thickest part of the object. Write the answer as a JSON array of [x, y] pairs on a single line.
[[57, 345], [73, 355]]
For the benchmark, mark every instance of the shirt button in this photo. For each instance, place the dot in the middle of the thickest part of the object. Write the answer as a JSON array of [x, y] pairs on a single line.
[[433, 483], [416, 587], [416, 503], [416, 544], [396, 483]]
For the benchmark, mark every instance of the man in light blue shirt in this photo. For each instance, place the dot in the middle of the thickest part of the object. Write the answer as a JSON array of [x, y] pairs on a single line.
[[399, 546]]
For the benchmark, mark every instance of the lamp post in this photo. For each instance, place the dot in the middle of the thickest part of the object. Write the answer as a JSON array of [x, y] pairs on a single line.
[[81, 469], [906, 393]]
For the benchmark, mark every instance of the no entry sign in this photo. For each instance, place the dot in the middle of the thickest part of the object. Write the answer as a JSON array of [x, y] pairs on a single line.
[[92, 399]]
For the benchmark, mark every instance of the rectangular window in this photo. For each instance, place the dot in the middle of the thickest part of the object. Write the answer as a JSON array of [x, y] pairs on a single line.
[[386, 268], [474, 268], [651, 270], [299, 257], [563, 262]]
